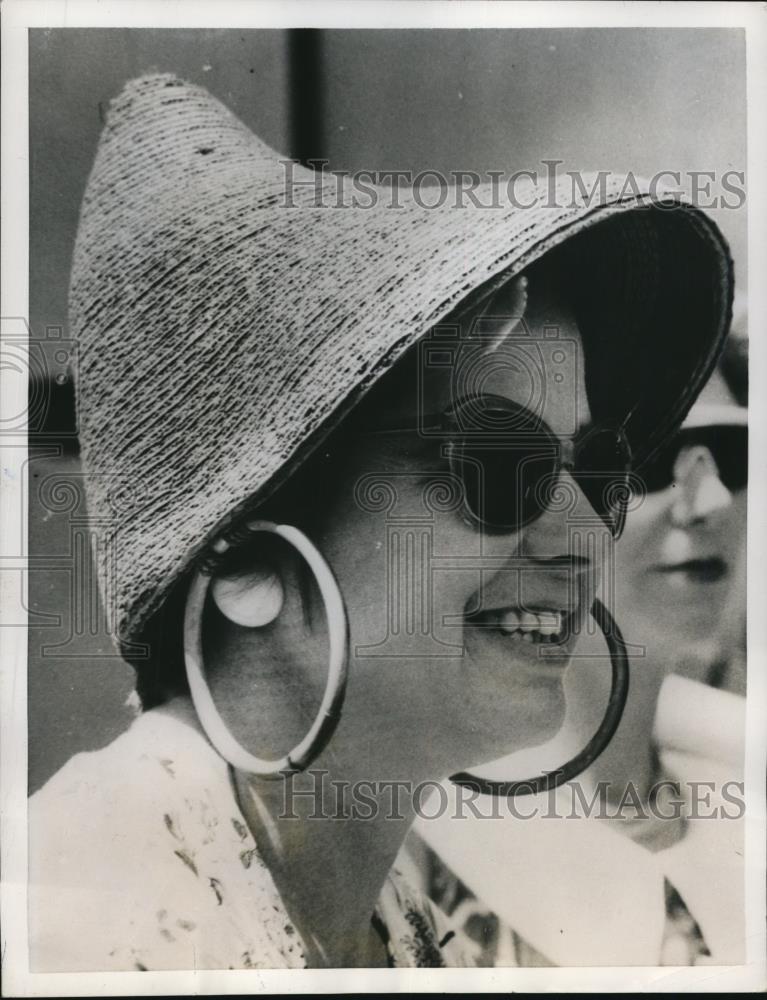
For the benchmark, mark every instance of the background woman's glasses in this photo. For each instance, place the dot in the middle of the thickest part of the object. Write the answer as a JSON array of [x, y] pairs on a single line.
[[727, 444]]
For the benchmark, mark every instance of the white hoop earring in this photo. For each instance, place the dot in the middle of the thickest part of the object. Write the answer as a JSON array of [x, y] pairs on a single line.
[[329, 711]]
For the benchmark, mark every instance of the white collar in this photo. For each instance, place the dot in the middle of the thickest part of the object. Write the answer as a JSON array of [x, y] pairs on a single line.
[[583, 893]]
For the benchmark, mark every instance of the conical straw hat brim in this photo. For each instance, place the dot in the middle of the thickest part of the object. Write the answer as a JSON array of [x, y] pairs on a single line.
[[222, 332]]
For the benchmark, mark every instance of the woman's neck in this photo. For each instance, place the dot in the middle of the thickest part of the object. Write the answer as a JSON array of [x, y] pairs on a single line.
[[328, 865]]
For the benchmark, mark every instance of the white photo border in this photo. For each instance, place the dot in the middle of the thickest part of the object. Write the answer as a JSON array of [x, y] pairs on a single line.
[[20, 15]]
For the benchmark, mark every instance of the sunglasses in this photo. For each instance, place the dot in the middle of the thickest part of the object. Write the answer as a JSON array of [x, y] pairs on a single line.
[[509, 463], [727, 443]]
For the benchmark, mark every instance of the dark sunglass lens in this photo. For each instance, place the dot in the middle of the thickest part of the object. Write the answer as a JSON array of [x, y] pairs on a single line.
[[729, 448], [658, 474], [504, 482], [604, 451], [727, 445], [602, 473]]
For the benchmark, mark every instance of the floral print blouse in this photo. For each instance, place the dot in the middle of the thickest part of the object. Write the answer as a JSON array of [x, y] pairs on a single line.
[[140, 859]]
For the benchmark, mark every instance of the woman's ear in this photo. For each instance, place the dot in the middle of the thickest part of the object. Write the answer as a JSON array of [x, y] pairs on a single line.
[[251, 597], [241, 695]]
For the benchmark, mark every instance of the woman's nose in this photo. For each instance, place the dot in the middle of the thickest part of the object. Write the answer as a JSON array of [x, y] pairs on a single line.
[[700, 492], [568, 526]]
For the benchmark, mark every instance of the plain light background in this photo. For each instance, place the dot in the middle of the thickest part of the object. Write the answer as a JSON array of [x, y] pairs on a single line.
[[599, 99]]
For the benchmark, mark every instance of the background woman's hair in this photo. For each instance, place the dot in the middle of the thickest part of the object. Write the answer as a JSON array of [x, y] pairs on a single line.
[[733, 365]]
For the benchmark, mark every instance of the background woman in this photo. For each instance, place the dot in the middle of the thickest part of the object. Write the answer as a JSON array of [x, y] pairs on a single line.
[[662, 881]]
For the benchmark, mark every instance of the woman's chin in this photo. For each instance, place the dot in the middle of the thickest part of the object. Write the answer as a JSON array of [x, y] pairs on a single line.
[[523, 734], [517, 701]]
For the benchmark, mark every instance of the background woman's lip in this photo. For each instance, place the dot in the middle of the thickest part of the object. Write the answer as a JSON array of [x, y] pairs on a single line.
[[705, 569], [695, 562]]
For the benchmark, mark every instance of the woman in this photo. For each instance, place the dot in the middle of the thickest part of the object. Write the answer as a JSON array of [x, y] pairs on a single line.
[[427, 399], [676, 849], [681, 567]]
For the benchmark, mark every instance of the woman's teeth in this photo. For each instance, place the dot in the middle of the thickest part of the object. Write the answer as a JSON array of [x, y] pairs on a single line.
[[532, 627]]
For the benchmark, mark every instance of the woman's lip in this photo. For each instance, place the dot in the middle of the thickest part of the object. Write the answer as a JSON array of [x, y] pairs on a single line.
[[539, 661], [539, 607]]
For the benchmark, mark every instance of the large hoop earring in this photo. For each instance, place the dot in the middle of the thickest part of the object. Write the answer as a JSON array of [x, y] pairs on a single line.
[[329, 711], [618, 694]]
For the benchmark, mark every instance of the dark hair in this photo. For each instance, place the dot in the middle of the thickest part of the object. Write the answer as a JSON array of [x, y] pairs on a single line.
[[160, 671], [301, 501]]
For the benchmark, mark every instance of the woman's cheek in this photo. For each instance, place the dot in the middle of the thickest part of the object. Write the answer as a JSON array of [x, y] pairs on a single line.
[[457, 555], [733, 533]]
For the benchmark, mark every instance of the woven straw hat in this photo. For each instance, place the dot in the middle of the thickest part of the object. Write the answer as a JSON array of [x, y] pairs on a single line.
[[222, 331]]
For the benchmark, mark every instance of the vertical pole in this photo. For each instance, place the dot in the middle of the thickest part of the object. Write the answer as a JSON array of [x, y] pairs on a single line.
[[306, 94]]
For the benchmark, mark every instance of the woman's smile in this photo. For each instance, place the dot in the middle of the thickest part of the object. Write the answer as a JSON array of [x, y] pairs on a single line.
[[527, 635], [541, 619]]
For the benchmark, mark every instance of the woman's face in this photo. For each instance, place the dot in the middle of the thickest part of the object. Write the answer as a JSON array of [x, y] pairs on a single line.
[[449, 626], [680, 552]]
